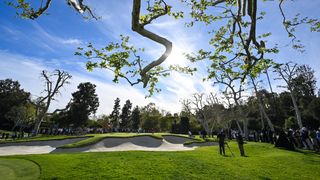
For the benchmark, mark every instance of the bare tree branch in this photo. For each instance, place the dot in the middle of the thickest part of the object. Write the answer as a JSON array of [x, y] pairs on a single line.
[[139, 28]]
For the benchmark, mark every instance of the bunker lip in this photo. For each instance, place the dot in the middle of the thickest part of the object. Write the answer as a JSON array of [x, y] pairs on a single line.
[[176, 139]]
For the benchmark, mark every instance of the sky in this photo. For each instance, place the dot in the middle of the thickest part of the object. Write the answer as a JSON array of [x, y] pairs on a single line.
[[29, 46]]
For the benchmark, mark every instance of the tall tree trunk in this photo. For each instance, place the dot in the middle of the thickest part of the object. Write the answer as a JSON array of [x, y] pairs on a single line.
[[261, 107], [38, 122], [245, 128], [52, 89], [239, 127], [205, 125], [244, 120], [262, 121], [41, 113], [296, 108], [37, 127], [266, 115]]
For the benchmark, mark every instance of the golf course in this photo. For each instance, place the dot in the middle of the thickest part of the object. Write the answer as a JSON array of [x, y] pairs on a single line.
[[159, 90], [262, 161]]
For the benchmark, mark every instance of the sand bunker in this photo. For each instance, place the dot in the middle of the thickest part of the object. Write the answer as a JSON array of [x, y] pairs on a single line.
[[140, 143], [137, 143], [176, 139], [34, 147], [20, 150], [52, 143]]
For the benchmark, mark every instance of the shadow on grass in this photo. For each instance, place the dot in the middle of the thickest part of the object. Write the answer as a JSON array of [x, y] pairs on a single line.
[[302, 151], [308, 152]]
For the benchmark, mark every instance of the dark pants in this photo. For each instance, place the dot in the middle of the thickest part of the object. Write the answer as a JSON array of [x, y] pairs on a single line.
[[241, 149], [221, 147]]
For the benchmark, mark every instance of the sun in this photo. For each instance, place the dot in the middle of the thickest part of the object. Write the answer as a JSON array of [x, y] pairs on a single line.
[[176, 57]]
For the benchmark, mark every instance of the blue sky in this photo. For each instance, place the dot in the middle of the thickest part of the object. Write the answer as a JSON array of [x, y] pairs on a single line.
[[27, 47]]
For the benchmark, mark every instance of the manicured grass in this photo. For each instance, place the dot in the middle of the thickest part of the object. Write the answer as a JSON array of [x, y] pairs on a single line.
[[40, 138], [263, 162], [18, 169], [198, 139]]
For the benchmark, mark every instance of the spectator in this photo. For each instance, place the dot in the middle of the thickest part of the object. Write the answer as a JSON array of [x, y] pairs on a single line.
[[221, 136], [240, 143]]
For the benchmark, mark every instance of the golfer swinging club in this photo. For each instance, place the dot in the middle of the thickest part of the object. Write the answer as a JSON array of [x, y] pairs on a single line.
[[221, 136]]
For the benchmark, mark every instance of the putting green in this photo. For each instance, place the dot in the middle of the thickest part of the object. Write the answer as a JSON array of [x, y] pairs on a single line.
[[18, 169]]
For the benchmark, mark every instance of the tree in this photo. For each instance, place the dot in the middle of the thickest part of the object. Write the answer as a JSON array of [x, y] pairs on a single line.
[[234, 34], [11, 95], [124, 62], [313, 110], [125, 115], [184, 125], [234, 37], [304, 85], [85, 101], [135, 118], [231, 81], [25, 9], [287, 73], [53, 83], [22, 116], [115, 114], [262, 105], [104, 123], [150, 117], [206, 109]]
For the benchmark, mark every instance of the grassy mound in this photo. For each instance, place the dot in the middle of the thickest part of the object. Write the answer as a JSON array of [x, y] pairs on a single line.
[[263, 162], [18, 169]]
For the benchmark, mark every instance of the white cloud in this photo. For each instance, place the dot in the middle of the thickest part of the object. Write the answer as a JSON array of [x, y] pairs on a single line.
[[164, 24], [27, 71], [71, 41], [47, 38]]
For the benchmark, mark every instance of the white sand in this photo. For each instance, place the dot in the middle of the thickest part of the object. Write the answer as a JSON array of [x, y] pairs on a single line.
[[129, 146], [20, 150]]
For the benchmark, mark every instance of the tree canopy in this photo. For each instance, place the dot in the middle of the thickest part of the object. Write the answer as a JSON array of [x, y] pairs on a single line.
[[235, 45], [85, 102], [13, 98]]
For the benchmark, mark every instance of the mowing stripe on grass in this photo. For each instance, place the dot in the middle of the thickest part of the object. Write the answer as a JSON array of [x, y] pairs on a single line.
[[18, 169]]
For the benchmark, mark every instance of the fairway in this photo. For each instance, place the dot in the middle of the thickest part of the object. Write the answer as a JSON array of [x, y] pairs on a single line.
[[263, 162], [18, 169]]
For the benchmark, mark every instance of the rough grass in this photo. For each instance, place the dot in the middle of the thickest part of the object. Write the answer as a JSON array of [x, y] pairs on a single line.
[[263, 162], [18, 169]]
